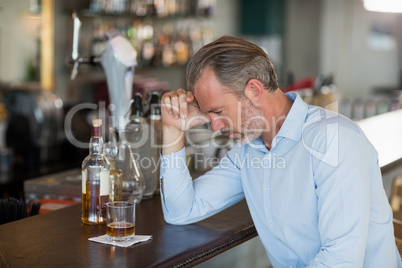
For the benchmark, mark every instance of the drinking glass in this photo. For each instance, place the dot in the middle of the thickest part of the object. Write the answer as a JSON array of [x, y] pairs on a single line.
[[120, 221]]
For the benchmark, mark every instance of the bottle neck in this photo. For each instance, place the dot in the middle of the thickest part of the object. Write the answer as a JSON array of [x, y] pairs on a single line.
[[137, 111], [96, 145], [137, 108], [155, 107], [112, 163]]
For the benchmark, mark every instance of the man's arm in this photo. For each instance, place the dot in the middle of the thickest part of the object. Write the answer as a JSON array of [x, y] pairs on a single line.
[[184, 200], [345, 175]]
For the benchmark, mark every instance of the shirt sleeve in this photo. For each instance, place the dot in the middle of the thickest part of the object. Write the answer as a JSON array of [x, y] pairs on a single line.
[[343, 176], [185, 200]]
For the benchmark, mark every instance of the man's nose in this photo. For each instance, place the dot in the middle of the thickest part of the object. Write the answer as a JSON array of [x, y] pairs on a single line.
[[217, 123]]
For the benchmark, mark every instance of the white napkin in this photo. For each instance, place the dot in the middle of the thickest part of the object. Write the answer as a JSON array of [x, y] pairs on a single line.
[[137, 239]]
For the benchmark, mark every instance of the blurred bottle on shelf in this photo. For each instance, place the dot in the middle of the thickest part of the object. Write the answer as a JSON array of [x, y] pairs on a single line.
[[395, 105], [137, 111], [99, 40], [146, 34], [358, 109], [326, 93], [171, 44], [346, 107], [182, 49], [109, 6], [370, 108], [157, 8], [382, 107]]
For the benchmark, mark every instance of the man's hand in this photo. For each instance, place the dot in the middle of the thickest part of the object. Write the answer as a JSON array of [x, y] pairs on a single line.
[[180, 112]]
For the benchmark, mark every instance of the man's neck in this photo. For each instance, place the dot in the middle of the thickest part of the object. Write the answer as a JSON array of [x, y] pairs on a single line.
[[278, 108]]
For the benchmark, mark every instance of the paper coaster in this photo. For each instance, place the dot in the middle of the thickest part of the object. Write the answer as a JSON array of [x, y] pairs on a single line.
[[137, 239]]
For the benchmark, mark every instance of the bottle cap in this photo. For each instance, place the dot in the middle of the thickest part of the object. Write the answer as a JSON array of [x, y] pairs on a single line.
[[96, 122], [96, 125]]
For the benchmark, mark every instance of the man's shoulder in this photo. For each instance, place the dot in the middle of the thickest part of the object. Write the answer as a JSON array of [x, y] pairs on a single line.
[[320, 120], [323, 129]]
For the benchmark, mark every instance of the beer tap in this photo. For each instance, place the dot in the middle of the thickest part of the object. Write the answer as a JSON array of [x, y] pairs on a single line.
[[118, 61], [76, 59]]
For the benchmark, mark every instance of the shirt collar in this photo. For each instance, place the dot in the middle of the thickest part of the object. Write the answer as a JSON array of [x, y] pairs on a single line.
[[293, 124]]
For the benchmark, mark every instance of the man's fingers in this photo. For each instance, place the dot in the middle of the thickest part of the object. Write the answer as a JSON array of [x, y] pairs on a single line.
[[167, 103], [183, 105], [189, 96], [177, 103], [174, 99], [182, 102]]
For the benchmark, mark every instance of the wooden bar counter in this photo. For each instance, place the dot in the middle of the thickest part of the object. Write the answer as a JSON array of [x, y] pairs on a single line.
[[59, 239]]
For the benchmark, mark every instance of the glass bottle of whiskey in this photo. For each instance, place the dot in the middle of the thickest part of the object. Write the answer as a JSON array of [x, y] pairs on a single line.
[[95, 179]]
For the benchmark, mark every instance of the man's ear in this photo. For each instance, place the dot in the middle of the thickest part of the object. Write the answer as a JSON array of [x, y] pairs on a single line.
[[254, 92]]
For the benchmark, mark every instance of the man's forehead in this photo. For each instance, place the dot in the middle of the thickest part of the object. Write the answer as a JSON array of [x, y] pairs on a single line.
[[208, 104], [205, 103]]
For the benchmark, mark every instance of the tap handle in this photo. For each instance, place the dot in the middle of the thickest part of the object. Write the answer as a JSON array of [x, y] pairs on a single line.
[[76, 35], [74, 54], [74, 72], [95, 61]]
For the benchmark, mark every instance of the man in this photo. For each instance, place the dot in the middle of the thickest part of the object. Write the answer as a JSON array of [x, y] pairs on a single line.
[[310, 177]]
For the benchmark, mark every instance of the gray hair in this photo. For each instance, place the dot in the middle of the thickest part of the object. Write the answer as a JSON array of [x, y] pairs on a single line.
[[234, 61]]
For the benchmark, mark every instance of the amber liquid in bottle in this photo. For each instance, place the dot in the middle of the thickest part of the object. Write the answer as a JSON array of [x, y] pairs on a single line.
[[94, 204]]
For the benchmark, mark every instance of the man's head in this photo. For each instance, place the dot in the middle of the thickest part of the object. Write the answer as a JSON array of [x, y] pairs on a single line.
[[234, 61], [229, 79], [236, 117]]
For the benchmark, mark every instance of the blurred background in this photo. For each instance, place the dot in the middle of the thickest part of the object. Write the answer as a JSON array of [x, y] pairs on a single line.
[[336, 42], [344, 55]]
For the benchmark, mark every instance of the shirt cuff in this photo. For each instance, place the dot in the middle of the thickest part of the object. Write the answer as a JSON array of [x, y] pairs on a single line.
[[173, 164]]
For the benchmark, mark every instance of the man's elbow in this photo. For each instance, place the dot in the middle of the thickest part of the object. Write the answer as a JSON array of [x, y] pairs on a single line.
[[177, 220], [174, 222]]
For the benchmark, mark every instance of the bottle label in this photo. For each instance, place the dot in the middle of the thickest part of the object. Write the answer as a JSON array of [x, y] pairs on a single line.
[[103, 180], [84, 181]]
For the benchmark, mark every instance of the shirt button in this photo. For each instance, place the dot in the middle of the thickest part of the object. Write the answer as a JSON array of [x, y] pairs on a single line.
[[270, 221], [266, 189], [291, 266]]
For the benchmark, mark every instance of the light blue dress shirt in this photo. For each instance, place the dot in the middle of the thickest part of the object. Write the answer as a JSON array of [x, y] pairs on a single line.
[[316, 198]]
